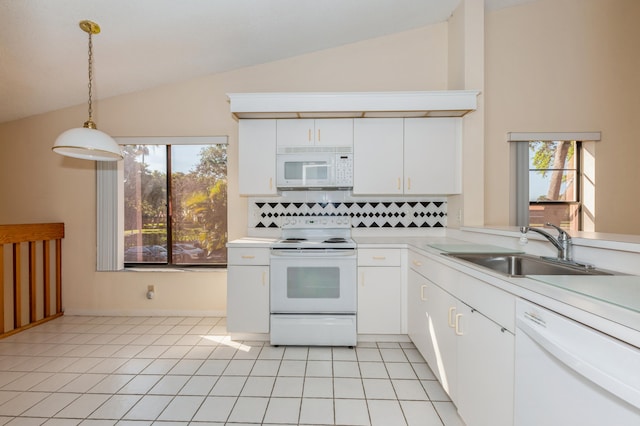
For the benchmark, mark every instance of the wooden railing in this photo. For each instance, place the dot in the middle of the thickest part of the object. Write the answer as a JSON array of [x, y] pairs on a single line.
[[41, 299]]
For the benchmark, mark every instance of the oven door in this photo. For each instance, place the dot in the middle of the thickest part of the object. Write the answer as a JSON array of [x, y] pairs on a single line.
[[313, 281]]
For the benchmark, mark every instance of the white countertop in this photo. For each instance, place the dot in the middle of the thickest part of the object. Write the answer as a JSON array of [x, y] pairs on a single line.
[[621, 290], [252, 242]]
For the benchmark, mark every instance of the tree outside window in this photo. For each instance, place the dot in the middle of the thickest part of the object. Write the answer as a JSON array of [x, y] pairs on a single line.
[[175, 204], [553, 184]]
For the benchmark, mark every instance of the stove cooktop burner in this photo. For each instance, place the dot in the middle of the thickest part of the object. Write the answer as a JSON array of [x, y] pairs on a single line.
[[335, 240], [293, 240]]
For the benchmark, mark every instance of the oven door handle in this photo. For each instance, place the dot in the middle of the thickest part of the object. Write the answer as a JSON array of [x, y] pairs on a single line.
[[313, 253]]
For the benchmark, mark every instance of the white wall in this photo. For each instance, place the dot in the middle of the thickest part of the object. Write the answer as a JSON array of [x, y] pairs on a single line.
[[566, 65]]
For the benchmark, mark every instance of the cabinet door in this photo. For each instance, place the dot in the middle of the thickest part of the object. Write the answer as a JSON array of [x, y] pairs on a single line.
[[485, 370], [257, 157], [334, 132], [418, 317], [442, 311], [432, 155], [379, 306], [377, 156], [248, 299], [295, 132]]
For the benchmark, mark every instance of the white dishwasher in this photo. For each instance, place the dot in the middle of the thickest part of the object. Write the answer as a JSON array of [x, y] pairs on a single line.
[[569, 374]]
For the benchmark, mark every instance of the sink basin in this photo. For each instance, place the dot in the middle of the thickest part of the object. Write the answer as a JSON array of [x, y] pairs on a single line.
[[520, 265]]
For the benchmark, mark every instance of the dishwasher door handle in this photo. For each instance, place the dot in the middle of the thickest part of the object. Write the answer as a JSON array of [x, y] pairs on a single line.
[[586, 369]]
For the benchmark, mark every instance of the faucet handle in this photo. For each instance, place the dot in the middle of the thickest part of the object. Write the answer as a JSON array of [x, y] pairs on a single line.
[[557, 228], [562, 234]]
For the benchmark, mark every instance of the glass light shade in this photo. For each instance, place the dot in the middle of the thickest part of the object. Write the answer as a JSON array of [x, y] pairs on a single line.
[[87, 144]]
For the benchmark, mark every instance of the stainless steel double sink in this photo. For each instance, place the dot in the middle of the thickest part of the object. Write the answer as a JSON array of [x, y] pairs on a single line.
[[520, 265]]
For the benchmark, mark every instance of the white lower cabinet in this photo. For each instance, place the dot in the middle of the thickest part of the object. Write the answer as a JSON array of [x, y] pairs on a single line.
[[419, 323], [379, 291], [248, 290], [470, 353], [485, 356]]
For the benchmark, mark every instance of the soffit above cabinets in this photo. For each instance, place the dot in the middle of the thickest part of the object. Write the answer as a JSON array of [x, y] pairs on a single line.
[[449, 103]]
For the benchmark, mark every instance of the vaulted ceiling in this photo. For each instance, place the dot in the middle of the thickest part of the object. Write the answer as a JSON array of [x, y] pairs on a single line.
[[146, 43]]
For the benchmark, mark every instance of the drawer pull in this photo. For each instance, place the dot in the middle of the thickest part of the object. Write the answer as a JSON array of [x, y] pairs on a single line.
[[379, 257], [422, 296], [458, 328], [264, 278], [248, 256], [450, 320]]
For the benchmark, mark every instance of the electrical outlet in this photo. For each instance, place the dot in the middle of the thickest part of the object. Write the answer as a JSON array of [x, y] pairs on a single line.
[[151, 292]]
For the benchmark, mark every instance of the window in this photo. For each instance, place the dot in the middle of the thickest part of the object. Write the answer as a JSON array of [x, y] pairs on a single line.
[[553, 184], [548, 183], [175, 204], [205, 215]]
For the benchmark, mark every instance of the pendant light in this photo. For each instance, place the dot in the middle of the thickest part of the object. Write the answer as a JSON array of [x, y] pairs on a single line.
[[87, 142]]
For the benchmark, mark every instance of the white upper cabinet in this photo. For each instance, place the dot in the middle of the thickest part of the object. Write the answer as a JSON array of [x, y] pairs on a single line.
[[412, 156], [310, 132], [377, 156], [432, 155], [257, 157]]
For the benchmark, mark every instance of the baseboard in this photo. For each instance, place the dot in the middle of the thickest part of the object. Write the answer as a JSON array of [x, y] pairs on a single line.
[[400, 338], [143, 313]]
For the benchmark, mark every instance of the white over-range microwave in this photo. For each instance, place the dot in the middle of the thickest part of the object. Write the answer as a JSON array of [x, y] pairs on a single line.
[[314, 168]]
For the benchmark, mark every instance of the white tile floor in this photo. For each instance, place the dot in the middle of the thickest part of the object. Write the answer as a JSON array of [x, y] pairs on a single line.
[[186, 371]]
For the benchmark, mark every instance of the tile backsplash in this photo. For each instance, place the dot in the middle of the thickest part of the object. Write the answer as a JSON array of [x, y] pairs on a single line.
[[373, 212]]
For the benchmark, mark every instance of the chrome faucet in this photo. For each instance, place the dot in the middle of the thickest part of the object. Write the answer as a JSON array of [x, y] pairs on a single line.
[[562, 242]]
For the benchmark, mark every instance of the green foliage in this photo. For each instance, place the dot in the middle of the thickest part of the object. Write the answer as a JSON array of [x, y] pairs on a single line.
[[198, 202], [544, 153]]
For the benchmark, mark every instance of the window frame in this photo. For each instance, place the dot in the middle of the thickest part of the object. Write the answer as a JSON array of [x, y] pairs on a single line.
[[110, 204], [520, 190]]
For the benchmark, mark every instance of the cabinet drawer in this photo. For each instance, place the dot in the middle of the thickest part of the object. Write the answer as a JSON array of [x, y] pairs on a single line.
[[378, 257], [248, 256], [494, 303], [418, 263]]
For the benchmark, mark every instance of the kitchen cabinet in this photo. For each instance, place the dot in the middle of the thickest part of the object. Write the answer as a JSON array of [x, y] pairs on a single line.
[[485, 369], [257, 157], [248, 290], [432, 156], [315, 132], [379, 291], [378, 156], [418, 316], [453, 321], [411, 156]]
